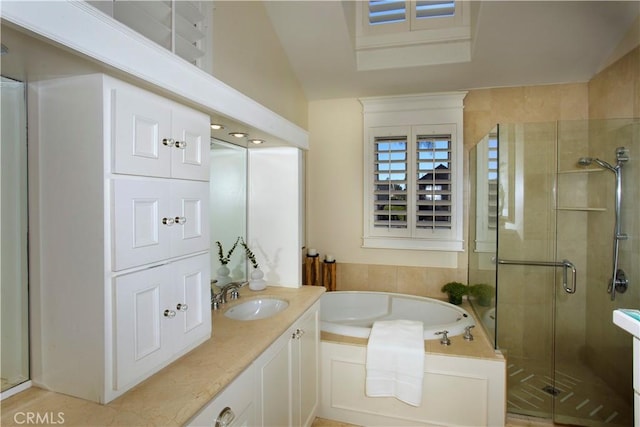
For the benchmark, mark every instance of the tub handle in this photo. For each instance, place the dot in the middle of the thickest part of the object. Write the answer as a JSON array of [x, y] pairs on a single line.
[[445, 339]]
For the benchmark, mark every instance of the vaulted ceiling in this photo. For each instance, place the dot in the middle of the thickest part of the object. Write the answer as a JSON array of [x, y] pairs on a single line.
[[514, 43]]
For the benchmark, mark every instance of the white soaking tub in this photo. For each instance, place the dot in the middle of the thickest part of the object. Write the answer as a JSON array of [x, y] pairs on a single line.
[[464, 383], [352, 313]]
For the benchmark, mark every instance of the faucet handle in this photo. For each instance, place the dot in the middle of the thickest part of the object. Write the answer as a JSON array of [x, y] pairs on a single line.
[[467, 333], [445, 339], [216, 300], [235, 294]]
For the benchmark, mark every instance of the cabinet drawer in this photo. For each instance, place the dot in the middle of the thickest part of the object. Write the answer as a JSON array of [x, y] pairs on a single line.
[[237, 396]]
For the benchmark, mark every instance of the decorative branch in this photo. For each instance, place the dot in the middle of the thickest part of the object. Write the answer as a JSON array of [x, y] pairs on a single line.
[[250, 254], [225, 260]]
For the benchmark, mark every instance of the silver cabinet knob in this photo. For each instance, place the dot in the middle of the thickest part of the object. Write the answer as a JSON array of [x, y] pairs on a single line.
[[182, 307], [168, 221], [225, 418], [181, 144], [297, 334], [180, 220], [169, 313], [169, 142]]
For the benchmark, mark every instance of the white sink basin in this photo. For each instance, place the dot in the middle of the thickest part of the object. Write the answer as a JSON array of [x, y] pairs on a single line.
[[628, 320], [254, 309]]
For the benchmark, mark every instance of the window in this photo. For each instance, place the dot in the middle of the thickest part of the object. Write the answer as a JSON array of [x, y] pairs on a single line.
[[399, 33], [412, 12], [413, 173], [176, 25]]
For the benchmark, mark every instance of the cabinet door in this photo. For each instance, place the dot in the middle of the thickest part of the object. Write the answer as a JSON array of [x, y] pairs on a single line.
[[307, 348], [190, 211], [141, 121], [192, 135], [274, 377], [138, 328], [191, 300], [142, 222]]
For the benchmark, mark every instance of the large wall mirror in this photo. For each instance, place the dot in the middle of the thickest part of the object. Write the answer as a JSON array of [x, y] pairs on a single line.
[[14, 342], [228, 210]]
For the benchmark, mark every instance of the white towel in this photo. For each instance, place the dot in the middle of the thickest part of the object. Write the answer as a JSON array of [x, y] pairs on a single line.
[[395, 360]]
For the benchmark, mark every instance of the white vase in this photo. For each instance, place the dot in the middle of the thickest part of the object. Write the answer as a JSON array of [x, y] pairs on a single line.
[[222, 276], [257, 283]]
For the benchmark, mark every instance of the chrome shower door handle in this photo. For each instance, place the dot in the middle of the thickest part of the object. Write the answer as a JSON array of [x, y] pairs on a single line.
[[566, 264]]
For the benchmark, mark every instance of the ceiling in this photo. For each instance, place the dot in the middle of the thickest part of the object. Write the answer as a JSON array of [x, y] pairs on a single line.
[[515, 43]]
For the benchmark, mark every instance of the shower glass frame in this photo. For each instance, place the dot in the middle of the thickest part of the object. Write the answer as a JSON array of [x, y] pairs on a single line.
[[560, 210]]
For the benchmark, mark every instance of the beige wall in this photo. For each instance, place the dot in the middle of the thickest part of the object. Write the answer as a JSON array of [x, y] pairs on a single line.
[[255, 63], [335, 184]]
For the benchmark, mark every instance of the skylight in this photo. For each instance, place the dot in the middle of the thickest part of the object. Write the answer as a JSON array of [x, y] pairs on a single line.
[[408, 33], [392, 11]]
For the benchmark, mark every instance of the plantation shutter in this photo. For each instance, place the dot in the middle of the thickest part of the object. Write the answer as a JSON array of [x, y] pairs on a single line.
[[176, 25], [434, 208], [390, 182], [435, 9], [492, 169], [387, 11], [390, 11]]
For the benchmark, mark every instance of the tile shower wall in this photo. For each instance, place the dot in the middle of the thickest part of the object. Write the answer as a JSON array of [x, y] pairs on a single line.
[[614, 93]]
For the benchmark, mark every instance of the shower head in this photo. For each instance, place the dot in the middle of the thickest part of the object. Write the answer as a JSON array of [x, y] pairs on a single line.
[[586, 161]]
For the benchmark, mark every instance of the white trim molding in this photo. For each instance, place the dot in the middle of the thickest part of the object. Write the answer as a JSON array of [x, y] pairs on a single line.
[[84, 29]]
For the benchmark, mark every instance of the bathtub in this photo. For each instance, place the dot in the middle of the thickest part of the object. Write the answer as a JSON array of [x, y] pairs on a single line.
[[463, 384], [352, 313]]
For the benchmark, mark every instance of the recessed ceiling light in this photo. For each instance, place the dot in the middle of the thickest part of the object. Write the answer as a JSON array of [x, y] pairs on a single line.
[[216, 126], [239, 134], [256, 141]]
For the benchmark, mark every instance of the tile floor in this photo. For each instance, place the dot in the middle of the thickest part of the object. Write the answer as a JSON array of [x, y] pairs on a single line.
[[512, 421]]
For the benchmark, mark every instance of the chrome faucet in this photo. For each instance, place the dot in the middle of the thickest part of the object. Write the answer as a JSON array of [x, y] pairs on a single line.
[[228, 292], [234, 288]]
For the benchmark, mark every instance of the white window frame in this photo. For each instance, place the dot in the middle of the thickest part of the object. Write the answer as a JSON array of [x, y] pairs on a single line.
[[182, 27], [436, 114], [413, 42]]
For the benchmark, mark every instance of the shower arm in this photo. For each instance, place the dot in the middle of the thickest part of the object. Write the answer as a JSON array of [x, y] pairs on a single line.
[[565, 264]]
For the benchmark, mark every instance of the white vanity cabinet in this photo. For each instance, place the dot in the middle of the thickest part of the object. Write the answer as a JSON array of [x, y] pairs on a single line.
[[287, 375], [116, 294], [280, 388]]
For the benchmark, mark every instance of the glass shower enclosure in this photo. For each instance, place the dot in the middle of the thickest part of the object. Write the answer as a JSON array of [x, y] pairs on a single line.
[[547, 197]]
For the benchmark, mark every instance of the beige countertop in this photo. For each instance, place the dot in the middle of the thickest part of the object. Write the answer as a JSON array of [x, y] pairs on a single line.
[[176, 393]]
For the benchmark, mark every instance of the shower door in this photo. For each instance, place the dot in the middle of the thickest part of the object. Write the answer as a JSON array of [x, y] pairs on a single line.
[[566, 359]]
